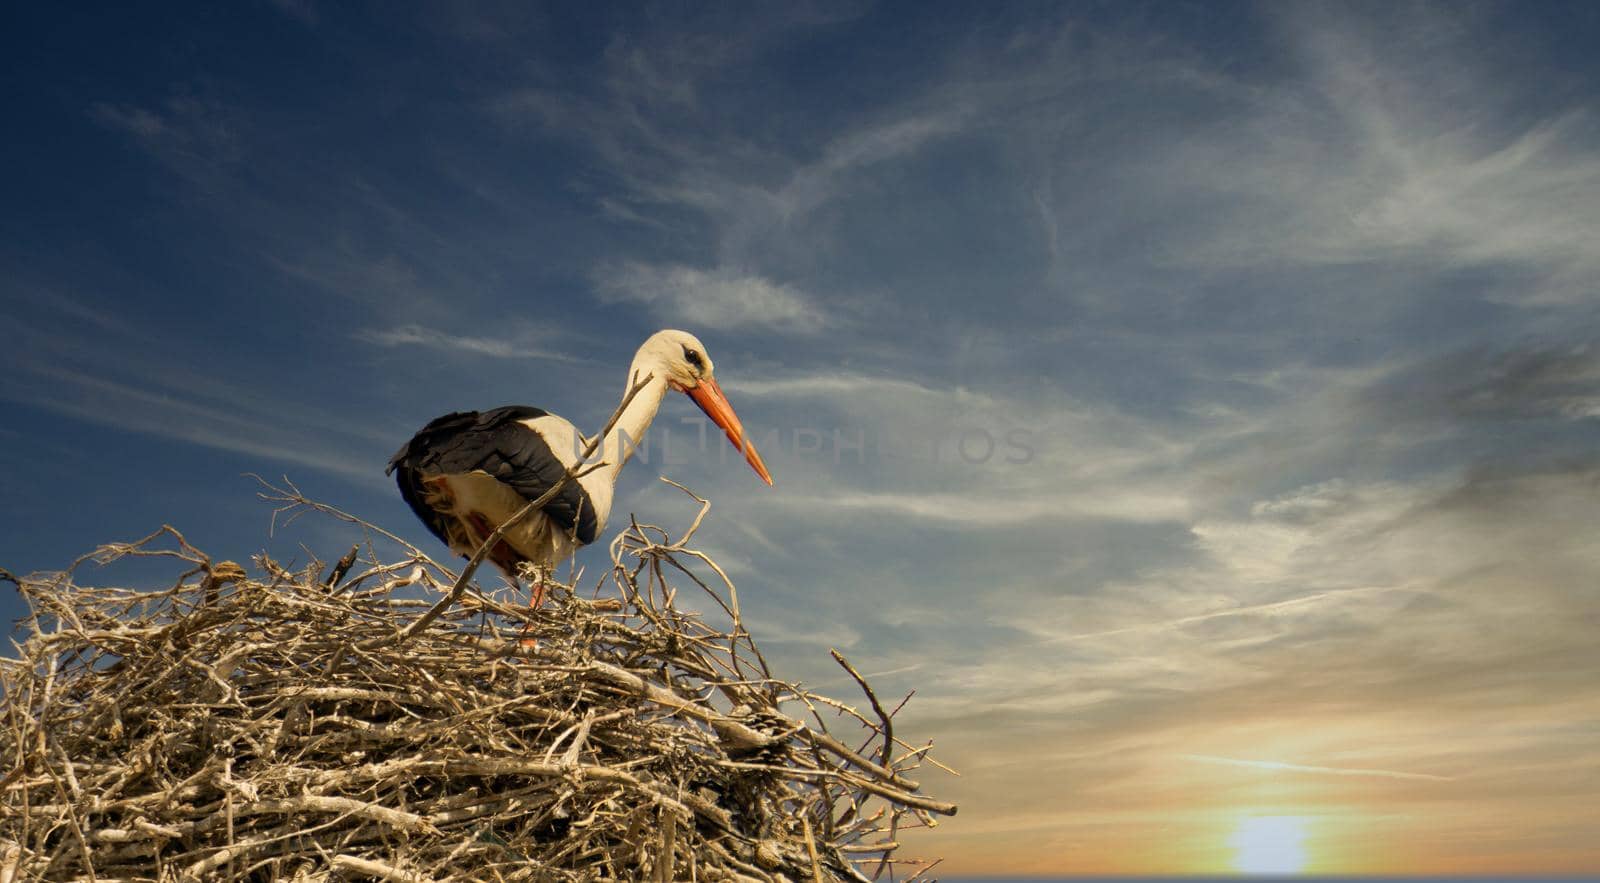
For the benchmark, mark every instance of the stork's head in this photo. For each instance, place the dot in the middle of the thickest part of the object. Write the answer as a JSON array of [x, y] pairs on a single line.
[[682, 359]]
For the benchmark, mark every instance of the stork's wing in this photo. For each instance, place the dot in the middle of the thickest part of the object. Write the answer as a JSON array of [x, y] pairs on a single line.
[[499, 443]]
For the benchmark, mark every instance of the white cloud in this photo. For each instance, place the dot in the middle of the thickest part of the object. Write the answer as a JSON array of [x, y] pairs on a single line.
[[813, 185], [286, 437], [1361, 161], [1278, 766], [874, 392], [721, 299], [418, 335], [135, 120], [191, 136], [103, 368], [999, 511]]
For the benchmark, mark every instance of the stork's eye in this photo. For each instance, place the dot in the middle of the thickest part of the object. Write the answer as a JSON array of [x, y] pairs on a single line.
[[694, 358]]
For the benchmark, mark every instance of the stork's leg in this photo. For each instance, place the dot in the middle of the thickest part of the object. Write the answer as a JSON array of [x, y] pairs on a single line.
[[536, 577], [513, 565]]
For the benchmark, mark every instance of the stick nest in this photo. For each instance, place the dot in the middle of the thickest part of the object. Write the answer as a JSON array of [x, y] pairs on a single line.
[[316, 725]]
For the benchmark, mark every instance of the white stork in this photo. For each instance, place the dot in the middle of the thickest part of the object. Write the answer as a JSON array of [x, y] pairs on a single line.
[[466, 473]]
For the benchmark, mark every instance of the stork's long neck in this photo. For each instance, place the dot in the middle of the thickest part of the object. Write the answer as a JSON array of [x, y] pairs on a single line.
[[628, 434]]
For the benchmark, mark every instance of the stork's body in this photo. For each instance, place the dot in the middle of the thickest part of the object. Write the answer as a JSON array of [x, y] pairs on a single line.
[[465, 474]]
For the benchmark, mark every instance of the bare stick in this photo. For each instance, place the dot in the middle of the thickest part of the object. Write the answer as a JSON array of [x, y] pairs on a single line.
[[885, 719], [370, 868]]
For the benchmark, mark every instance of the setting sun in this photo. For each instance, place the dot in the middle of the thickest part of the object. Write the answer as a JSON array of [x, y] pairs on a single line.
[[1269, 845]]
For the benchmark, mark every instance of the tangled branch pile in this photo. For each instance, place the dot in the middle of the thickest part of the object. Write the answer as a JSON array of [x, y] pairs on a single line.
[[296, 725]]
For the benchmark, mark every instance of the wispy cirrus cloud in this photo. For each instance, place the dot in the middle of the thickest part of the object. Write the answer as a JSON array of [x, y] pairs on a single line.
[[176, 413], [873, 387], [137, 121], [195, 138], [1356, 162], [749, 202], [719, 299], [1002, 510], [1483, 384], [430, 338], [1278, 766], [92, 363]]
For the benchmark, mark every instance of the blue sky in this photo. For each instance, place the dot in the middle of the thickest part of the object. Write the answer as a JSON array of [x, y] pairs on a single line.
[[1281, 320]]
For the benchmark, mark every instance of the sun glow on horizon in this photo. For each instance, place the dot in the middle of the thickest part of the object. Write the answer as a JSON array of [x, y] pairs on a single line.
[[1269, 845]]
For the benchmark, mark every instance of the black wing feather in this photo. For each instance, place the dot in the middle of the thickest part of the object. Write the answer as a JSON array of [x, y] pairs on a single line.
[[495, 442]]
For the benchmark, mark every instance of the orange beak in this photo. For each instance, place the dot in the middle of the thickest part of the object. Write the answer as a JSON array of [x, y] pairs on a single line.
[[708, 395]]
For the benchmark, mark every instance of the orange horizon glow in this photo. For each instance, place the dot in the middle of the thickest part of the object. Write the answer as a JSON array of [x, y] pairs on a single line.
[[1301, 809]]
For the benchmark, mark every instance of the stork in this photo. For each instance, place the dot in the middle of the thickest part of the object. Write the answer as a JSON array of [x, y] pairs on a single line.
[[464, 474]]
